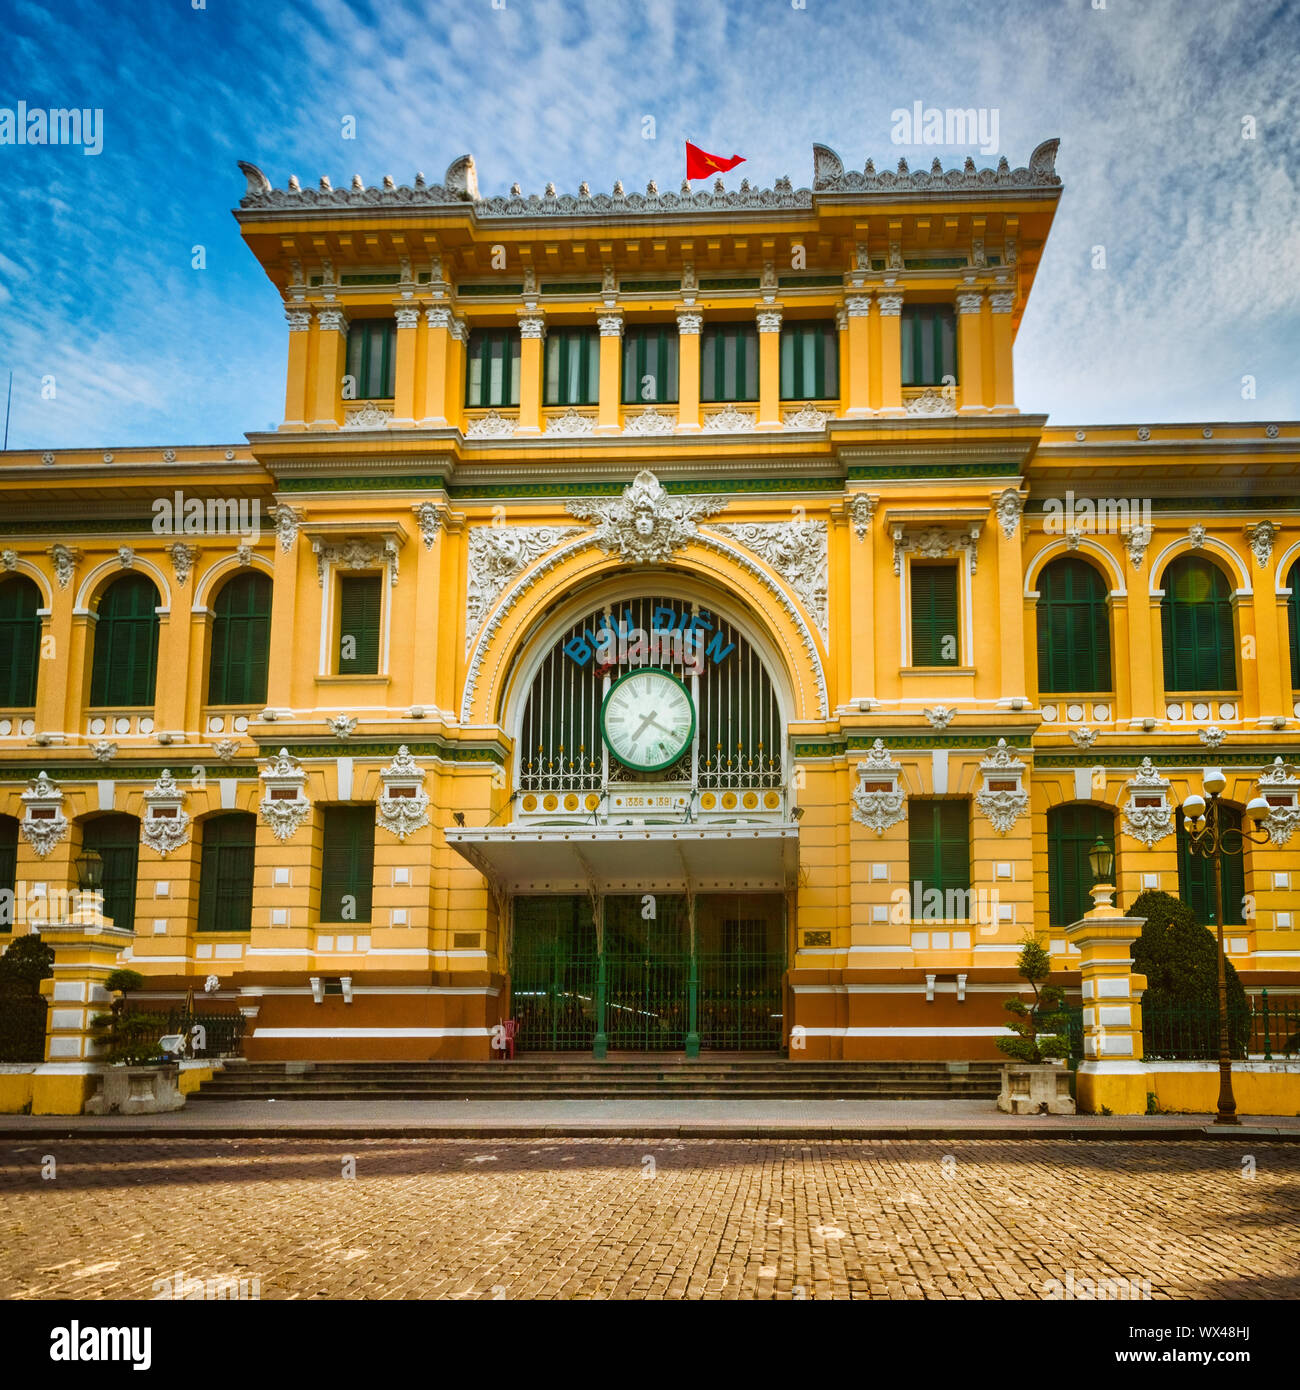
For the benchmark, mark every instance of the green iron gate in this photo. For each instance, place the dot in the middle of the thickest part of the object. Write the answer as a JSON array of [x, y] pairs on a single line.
[[646, 988], [553, 974]]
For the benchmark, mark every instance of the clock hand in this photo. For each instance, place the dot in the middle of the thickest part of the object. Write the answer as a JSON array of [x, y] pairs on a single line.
[[648, 720]]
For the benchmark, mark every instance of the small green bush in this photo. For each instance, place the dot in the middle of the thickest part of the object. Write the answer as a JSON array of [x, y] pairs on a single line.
[[1042, 1031]]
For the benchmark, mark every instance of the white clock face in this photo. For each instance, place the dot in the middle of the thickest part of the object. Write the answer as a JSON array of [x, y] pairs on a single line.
[[648, 719]]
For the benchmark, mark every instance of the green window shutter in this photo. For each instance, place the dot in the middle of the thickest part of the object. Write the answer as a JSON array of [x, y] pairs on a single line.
[[1196, 628], [729, 362], [1196, 874], [117, 839], [8, 869], [361, 601], [125, 660], [935, 633], [572, 367], [1293, 623], [241, 641], [929, 344], [1073, 629], [20, 642], [372, 357], [492, 372], [938, 846], [226, 872], [348, 865], [1072, 830], [809, 360], [650, 365]]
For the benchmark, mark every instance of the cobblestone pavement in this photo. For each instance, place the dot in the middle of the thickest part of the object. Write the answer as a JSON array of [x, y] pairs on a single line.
[[637, 1218]]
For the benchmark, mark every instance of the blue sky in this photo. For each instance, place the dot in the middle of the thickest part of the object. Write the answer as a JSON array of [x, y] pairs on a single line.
[[1201, 228]]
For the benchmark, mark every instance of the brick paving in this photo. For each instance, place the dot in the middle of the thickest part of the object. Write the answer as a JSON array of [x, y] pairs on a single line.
[[639, 1218]]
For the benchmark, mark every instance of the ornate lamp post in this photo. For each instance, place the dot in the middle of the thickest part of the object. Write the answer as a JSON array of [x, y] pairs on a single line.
[[1211, 839], [1101, 858]]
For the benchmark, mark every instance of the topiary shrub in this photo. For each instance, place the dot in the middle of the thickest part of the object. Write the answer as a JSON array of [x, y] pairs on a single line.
[[1180, 959], [1041, 1031], [25, 964]]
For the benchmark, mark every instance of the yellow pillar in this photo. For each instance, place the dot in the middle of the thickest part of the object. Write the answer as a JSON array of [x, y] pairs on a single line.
[[173, 664], [429, 602], [437, 354], [200, 647], [454, 395], [890, 304], [862, 581], [1001, 304], [1011, 572], [1250, 676], [408, 329], [55, 674], [970, 351], [532, 333], [609, 418], [295, 388], [1271, 657], [769, 367], [1112, 1073], [855, 360], [1145, 649], [690, 322], [283, 663], [86, 952], [331, 345]]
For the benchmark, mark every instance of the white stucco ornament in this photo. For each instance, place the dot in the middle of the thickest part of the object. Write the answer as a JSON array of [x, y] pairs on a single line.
[[1003, 797], [165, 825], [43, 823], [496, 555], [1280, 787], [1147, 814], [284, 804], [878, 798], [404, 805], [645, 525], [797, 551]]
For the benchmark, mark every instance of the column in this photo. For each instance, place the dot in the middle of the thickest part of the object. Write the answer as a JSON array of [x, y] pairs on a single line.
[[173, 665], [295, 389], [1248, 672], [890, 304], [861, 601], [690, 323], [200, 628], [408, 327], [85, 954], [437, 353], [532, 334], [1001, 302], [769, 368], [331, 351], [608, 414], [970, 351], [283, 659], [58, 685], [855, 358], [454, 387], [1011, 604], [1112, 1073]]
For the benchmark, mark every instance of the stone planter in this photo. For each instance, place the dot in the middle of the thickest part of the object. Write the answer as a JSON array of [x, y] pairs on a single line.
[[1036, 1088], [146, 1090]]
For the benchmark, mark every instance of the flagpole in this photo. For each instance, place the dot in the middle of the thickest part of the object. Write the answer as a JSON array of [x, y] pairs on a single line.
[[8, 402]]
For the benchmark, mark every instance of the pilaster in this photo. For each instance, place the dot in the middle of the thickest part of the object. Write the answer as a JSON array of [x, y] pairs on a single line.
[[331, 347], [890, 305], [1111, 1075], [970, 352], [608, 411], [769, 367], [690, 323], [532, 335], [855, 343]]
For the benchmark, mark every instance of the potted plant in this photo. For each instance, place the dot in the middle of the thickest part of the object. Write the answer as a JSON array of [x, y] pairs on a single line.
[[140, 1079], [1036, 1083]]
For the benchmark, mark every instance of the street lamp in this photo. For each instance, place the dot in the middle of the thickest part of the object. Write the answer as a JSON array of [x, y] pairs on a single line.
[[1101, 857], [90, 869], [1211, 839]]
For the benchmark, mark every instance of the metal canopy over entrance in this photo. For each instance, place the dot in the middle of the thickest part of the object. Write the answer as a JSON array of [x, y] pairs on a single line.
[[653, 972]]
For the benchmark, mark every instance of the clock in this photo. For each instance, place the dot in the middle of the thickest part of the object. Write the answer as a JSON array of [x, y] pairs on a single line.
[[648, 719]]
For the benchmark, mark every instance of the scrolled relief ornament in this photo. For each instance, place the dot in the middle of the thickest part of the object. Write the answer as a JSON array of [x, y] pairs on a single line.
[[403, 807], [862, 508], [429, 519], [284, 805], [226, 749], [878, 798], [1260, 538], [496, 555], [493, 425], [650, 421], [8, 559], [1136, 540], [165, 825], [182, 557], [287, 520], [64, 558], [1003, 798], [1147, 815], [940, 716], [43, 823], [797, 551], [103, 750], [342, 726], [1280, 786], [1083, 738], [645, 525]]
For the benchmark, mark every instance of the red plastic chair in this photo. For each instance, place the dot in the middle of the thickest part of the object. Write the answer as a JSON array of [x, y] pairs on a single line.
[[510, 1027]]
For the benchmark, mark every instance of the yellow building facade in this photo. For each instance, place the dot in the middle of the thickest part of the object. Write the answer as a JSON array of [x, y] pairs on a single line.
[[655, 622]]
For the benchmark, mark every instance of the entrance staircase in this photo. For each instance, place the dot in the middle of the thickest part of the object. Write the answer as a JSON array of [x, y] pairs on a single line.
[[630, 1076]]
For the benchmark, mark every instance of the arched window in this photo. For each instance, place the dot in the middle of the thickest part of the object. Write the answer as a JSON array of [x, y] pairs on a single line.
[[1072, 830], [1196, 874], [241, 641], [1073, 629], [117, 839], [1200, 650], [8, 870], [1293, 622], [126, 643], [226, 872], [20, 642]]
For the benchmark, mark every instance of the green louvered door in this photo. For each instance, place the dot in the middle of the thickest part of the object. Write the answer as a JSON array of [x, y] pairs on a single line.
[[553, 984]]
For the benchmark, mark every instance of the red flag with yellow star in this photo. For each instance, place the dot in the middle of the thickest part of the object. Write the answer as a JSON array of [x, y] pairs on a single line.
[[702, 165]]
